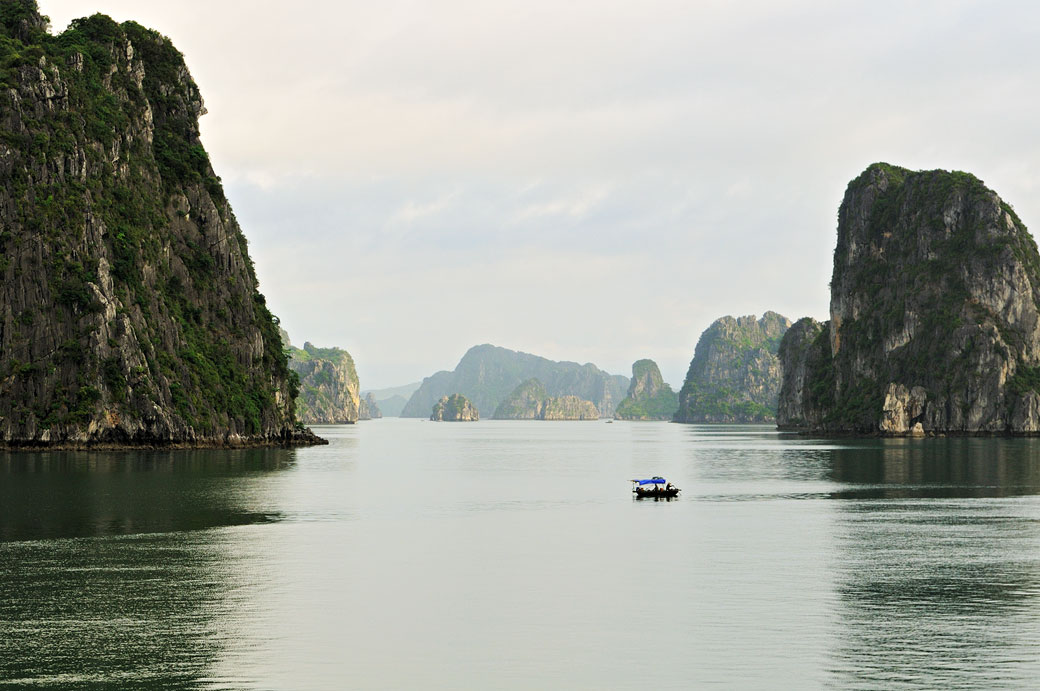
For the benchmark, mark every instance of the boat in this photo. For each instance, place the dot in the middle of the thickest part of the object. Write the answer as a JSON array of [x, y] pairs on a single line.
[[654, 488]]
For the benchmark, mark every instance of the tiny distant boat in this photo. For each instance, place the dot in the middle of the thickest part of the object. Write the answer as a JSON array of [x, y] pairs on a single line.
[[654, 488]]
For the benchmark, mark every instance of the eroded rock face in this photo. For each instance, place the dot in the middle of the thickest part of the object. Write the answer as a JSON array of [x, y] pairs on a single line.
[[129, 309], [735, 372], [529, 401], [568, 408], [454, 408], [649, 398], [329, 390], [804, 354], [934, 322]]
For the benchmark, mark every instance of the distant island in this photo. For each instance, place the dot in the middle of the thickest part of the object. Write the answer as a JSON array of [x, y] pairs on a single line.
[[531, 401], [454, 408], [369, 409], [934, 324], [133, 312], [487, 374], [391, 401], [329, 390], [735, 373], [649, 398]]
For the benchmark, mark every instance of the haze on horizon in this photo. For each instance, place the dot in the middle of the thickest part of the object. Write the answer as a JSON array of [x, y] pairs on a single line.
[[595, 181]]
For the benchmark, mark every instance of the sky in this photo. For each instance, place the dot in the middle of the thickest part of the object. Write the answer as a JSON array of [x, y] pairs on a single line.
[[594, 181]]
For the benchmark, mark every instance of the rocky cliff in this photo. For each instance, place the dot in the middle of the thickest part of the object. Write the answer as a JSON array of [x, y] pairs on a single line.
[[487, 374], [129, 309], [805, 359], [530, 401], [735, 372], [649, 398], [568, 408], [454, 408], [329, 391], [934, 325]]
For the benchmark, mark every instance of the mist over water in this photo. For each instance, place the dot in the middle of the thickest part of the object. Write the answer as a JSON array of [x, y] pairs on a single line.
[[410, 554]]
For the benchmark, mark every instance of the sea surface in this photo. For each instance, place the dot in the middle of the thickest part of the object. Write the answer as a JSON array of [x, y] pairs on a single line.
[[511, 555]]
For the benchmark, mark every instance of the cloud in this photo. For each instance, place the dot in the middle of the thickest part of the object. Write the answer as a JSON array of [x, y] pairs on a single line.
[[596, 179]]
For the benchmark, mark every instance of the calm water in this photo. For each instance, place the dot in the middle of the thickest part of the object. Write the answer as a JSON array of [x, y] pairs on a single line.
[[504, 555]]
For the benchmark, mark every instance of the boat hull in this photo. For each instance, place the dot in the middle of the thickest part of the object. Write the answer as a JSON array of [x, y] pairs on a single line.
[[641, 493]]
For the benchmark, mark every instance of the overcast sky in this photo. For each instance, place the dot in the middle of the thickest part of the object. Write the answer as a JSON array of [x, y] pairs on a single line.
[[593, 180]]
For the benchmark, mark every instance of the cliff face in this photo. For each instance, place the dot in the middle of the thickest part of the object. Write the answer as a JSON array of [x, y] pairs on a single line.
[[454, 408], [805, 359], [129, 310], [735, 373], [529, 401], [568, 408], [487, 374], [934, 322], [649, 398], [329, 391]]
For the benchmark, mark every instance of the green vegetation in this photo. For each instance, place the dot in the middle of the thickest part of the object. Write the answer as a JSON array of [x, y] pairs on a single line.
[[649, 398], [326, 384], [455, 407], [110, 177], [523, 403], [735, 372], [922, 268]]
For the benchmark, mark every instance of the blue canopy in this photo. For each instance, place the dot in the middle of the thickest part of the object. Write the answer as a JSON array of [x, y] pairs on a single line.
[[652, 481]]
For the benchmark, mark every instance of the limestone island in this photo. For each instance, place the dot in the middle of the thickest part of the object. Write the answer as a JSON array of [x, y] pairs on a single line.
[[735, 374], [649, 398], [329, 389], [487, 374], [454, 408], [131, 310], [369, 408], [934, 326], [530, 401]]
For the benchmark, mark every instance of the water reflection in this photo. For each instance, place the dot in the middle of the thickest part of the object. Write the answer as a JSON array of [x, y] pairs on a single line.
[[952, 467], [107, 579], [937, 564], [77, 494], [131, 612]]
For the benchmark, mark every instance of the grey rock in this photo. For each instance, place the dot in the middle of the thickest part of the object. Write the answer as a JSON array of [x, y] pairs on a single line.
[[934, 326]]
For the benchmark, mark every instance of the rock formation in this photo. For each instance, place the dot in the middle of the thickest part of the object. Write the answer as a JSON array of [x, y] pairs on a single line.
[[487, 374], [649, 398], [529, 401], [129, 309], [568, 408], [329, 391], [369, 409], [523, 403], [735, 372], [804, 356], [934, 322], [454, 408]]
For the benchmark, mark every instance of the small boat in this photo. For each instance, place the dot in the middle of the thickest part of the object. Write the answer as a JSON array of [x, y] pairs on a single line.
[[654, 488]]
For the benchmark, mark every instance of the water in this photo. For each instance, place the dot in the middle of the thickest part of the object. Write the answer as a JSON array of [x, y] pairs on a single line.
[[510, 555]]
